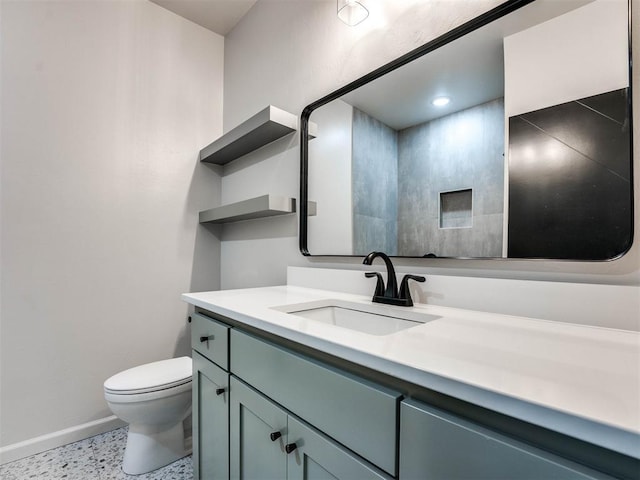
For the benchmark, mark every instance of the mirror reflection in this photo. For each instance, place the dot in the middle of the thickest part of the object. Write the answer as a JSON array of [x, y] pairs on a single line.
[[511, 141]]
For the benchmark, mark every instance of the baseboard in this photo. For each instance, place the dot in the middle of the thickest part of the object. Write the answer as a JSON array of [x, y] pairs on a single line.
[[46, 442]]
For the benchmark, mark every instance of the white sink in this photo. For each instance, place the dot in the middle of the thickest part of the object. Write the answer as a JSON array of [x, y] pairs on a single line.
[[374, 319]]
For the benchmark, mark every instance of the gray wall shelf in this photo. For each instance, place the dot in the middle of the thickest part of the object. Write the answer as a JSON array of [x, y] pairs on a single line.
[[264, 127], [258, 207]]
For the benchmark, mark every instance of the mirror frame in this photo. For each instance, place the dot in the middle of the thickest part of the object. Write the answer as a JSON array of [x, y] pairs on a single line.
[[494, 14]]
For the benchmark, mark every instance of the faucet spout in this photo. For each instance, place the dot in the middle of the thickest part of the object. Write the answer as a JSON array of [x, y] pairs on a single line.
[[391, 291]]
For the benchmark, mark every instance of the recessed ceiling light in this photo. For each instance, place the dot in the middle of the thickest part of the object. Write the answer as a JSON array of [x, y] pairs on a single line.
[[440, 101]]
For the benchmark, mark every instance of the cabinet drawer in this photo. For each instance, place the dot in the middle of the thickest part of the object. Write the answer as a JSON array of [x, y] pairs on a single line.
[[211, 339], [358, 414], [438, 445]]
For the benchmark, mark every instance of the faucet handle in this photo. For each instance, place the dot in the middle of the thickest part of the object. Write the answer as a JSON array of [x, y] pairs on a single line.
[[405, 293], [379, 284]]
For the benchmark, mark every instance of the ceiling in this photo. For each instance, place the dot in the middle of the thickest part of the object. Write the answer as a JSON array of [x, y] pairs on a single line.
[[219, 16], [469, 70]]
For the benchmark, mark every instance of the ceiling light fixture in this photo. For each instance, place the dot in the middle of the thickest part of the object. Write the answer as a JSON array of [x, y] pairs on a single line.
[[440, 101], [351, 12]]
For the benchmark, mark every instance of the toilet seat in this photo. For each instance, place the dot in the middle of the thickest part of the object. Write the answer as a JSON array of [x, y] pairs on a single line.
[[151, 377], [141, 397]]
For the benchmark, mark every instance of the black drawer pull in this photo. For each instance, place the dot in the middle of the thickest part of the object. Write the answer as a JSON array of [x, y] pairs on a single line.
[[206, 338], [290, 447], [274, 436], [220, 391]]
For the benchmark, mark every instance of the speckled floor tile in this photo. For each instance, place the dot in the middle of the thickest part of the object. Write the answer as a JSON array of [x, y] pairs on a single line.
[[109, 450], [71, 462], [96, 458]]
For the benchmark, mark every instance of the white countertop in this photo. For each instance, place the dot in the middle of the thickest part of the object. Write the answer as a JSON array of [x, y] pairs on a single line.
[[578, 380]]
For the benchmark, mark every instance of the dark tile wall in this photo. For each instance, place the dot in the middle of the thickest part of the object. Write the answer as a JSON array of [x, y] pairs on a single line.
[[570, 190]]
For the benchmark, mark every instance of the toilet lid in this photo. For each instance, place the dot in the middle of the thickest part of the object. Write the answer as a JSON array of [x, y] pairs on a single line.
[[151, 376]]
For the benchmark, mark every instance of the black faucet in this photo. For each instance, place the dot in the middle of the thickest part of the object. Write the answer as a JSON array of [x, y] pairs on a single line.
[[405, 293], [390, 295], [379, 292], [391, 292]]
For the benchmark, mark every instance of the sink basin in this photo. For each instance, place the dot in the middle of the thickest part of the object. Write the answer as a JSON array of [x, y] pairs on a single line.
[[373, 319]]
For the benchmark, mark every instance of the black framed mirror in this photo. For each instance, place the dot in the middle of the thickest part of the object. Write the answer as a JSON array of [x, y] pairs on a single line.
[[508, 137]]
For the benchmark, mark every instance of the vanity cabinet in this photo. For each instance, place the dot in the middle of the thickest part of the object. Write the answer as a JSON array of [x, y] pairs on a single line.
[[258, 435], [210, 420], [266, 389], [329, 399], [319, 458], [437, 445], [268, 442], [265, 410], [210, 338], [210, 397]]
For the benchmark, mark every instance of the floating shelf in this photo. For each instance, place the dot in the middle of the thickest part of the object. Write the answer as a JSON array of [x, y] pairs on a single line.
[[264, 206], [264, 127]]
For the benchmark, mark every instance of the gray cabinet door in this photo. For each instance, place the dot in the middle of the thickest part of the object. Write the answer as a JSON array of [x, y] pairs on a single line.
[[316, 457], [357, 413], [254, 454], [210, 420], [436, 445]]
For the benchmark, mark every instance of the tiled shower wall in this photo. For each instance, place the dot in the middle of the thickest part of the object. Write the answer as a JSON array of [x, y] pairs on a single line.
[[461, 151], [398, 177], [375, 185]]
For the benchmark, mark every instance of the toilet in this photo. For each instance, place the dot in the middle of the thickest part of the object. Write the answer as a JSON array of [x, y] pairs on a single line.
[[154, 399]]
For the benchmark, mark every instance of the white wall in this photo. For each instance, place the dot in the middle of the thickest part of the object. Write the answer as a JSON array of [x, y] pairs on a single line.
[[105, 106], [543, 68], [331, 229], [290, 53]]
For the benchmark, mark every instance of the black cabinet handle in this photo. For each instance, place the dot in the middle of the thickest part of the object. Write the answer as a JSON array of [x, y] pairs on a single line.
[[274, 436], [220, 391], [206, 338], [189, 319], [290, 447]]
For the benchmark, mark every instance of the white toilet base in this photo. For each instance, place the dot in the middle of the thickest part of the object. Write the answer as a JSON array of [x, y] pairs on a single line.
[[150, 447]]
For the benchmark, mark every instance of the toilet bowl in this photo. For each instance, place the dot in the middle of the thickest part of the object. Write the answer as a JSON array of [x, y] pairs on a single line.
[[154, 399]]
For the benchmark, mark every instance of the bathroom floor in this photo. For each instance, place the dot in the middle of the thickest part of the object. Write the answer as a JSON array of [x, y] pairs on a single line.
[[95, 458]]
